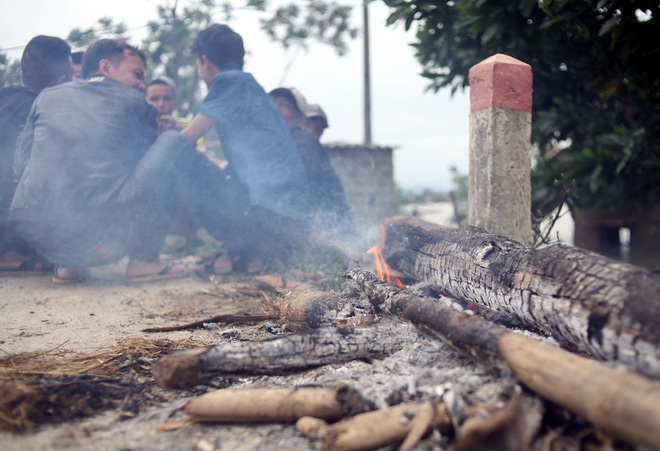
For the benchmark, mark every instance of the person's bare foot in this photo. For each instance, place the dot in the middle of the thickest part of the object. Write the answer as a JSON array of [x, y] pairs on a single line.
[[140, 270]]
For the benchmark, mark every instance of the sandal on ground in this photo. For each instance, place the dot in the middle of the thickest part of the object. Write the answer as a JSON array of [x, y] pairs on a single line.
[[221, 265], [31, 265], [75, 276], [172, 270]]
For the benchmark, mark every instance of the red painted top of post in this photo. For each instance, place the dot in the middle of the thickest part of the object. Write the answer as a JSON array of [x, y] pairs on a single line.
[[501, 81]]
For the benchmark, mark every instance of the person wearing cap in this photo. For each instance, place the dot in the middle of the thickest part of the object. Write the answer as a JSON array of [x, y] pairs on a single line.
[[330, 212], [317, 121]]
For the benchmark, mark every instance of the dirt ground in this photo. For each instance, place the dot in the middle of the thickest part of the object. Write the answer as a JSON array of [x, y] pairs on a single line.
[[93, 317], [126, 410]]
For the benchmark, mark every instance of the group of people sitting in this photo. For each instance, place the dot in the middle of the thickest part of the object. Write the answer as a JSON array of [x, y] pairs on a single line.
[[93, 172]]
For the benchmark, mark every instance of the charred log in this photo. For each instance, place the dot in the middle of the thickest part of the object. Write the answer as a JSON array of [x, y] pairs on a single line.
[[309, 309], [617, 401], [295, 352], [605, 308]]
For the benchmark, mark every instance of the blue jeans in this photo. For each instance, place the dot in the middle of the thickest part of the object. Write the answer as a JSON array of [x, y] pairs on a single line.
[[136, 223]]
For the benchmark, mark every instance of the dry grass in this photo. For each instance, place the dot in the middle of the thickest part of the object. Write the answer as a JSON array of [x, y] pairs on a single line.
[[56, 385]]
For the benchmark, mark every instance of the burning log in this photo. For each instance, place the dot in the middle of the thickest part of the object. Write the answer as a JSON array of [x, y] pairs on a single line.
[[275, 404], [320, 347], [619, 402], [585, 301], [379, 428]]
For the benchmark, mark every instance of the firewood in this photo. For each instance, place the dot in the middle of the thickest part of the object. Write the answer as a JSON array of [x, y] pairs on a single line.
[[376, 429], [301, 305], [309, 308], [616, 400], [225, 319], [319, 347], [252, 405], [587, 302]]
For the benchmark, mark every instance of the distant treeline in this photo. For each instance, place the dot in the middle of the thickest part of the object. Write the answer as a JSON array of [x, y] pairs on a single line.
[[404, 196]]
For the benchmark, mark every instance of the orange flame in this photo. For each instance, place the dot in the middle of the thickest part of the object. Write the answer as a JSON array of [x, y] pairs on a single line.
[[383, 271]]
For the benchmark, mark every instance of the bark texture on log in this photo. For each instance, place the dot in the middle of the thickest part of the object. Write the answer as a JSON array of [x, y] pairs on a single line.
[[320, 347], [309, 309], [616, 400], [250, 405], [606, 308], [376, 429]]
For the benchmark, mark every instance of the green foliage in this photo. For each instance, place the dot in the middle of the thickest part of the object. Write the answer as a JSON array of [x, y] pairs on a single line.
[[405, 197], [167, 46], [171, 34], [106, 29], [326, 22], [293, 24], [596, 84], [10, 71]]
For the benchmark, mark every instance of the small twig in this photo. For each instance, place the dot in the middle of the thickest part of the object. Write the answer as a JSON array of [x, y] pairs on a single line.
[[214, 319], [43, 386], [420, 424]]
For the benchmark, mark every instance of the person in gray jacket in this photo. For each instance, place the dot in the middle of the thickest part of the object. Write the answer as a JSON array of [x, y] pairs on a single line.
[[45, 62], [96, 183]]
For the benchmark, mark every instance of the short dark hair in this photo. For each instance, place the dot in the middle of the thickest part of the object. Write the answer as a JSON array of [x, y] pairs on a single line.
[[77, 56], [165, 81], [44, 59], [221, 45], [107, 49]]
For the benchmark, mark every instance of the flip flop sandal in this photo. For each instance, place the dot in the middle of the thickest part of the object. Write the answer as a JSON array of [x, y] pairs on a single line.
[[206, 266], [31, 265], [169, 272], [226, 269], [78, 277]]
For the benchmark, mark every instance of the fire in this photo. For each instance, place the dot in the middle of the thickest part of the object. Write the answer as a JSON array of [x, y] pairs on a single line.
[[383, 271]]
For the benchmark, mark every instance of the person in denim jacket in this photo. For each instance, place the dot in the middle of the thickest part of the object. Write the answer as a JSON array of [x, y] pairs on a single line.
[[260, 152]]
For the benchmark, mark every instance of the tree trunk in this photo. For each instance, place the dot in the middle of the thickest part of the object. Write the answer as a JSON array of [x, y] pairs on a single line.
[[600, 306]]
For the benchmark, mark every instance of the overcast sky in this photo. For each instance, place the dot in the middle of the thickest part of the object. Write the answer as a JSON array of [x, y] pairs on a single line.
[[429, 130]]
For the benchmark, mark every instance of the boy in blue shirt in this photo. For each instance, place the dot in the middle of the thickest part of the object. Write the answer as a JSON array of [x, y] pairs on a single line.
[[260, 152]]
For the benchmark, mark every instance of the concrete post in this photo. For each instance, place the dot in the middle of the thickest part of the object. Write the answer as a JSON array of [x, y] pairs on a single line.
[[499, 186]]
